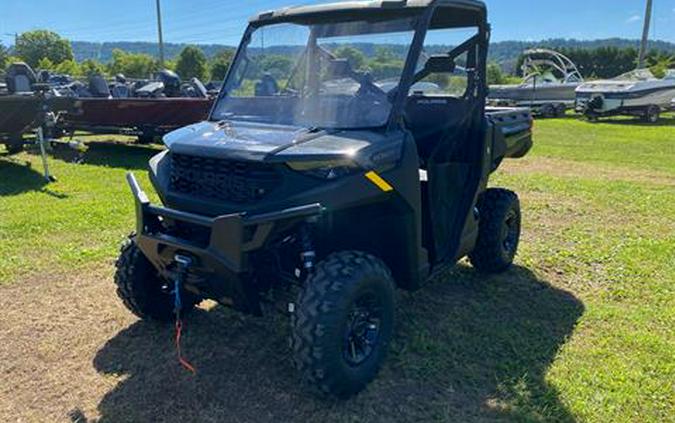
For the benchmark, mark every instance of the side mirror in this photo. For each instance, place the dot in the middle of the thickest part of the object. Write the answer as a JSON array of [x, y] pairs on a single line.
[[440, 64]]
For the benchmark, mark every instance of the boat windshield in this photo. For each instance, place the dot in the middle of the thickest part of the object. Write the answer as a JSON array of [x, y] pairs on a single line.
[[636, 75], [330, 75]]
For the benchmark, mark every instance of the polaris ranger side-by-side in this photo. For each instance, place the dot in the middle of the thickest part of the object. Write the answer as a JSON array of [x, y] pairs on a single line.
[[344, 157]]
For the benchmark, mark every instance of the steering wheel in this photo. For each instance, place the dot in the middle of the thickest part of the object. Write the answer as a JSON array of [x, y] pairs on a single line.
[[368, 86]]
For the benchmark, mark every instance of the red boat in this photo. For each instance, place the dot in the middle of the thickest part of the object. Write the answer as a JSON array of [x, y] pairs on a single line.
[[145, 117]]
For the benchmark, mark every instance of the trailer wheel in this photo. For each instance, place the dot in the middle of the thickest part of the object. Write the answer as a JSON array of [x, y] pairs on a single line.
[[548, 111], [14, 144], [652, 114], [498, 231], [343, 323], [142, 290], [560, 110]]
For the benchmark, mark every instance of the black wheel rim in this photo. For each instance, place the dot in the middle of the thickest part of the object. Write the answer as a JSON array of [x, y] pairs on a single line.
[[362, 329], [510, 232]]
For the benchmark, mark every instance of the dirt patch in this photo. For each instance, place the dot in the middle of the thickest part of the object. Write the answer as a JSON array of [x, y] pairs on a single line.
[[71, 352]]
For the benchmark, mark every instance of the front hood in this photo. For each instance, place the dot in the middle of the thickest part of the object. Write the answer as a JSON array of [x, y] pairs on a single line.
[[266, 142]]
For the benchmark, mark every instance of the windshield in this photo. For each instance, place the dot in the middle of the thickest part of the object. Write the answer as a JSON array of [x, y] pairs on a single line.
[[337, 75], [636, 75]]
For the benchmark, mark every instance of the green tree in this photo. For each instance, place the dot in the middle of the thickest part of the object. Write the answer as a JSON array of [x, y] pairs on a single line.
[[45, 64], [277, 65], [3, 56], [132, 65], [384, 55], [659, 62], [34, 45], [91, 67], [191, 63], [68, 67], [494, 74], [220, 64], [356, 58]]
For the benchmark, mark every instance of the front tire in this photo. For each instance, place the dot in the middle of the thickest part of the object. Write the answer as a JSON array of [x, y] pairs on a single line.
[[141, 288], [498, 231], [343, 323]]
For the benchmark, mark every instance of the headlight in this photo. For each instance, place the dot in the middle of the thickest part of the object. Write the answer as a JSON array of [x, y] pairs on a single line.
[[329, 169]]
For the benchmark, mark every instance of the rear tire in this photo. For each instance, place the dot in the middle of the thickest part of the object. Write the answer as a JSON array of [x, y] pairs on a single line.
[[140, 286], [343, 323], [498, 231]]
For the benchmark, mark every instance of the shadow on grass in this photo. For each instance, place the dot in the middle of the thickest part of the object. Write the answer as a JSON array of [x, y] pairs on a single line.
[[17, 177], [469, 348], [107, 154], [665, 120]]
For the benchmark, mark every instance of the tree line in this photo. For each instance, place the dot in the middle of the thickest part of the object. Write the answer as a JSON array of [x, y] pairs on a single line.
[[46, 50], [43, 49]]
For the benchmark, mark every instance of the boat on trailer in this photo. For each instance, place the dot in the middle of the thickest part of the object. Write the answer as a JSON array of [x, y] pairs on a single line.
[[636, 93], [548, 87], [146, 109]]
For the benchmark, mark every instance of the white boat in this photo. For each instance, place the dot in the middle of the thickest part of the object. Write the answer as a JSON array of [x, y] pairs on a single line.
[[550, 79], [636, 93]]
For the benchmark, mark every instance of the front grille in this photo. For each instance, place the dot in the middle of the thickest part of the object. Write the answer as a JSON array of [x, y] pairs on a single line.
[[222, 180]]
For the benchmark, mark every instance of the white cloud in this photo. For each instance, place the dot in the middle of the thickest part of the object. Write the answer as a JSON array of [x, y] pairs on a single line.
[[634, 18]]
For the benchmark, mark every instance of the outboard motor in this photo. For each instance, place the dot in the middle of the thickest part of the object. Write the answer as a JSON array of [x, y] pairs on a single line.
[[171, 82], [44, 76], [20, 78], [120, 78], [199, 88], [152, 89], [98, 86]]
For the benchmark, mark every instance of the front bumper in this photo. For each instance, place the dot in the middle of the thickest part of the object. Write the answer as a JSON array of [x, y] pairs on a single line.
[[221, 265]]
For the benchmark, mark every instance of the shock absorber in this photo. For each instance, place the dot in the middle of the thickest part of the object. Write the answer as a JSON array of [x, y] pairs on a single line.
[[307, 253]]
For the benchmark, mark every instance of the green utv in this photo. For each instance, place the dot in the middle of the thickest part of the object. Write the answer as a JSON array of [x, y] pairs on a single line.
[[347, 155]]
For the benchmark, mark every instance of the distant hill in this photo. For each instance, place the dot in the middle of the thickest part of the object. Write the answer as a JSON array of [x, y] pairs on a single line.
[[103, 51], [504, 52]]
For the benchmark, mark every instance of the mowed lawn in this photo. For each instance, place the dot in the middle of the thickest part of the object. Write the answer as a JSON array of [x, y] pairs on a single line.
[[581, 329]]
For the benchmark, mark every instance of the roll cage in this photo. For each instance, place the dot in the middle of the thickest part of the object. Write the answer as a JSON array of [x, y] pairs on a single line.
[[429, 14]]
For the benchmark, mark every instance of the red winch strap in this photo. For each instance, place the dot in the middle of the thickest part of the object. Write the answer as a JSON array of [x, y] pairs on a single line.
[[181, 360]]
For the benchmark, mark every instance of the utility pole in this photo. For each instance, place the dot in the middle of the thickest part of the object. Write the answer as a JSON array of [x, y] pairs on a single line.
[[16, 37], [159, 33], [645, 35]]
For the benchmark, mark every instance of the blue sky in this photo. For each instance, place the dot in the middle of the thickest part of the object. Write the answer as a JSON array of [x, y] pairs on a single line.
[[222, 21]]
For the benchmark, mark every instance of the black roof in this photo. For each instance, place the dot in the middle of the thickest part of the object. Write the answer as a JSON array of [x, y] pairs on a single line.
[[366, 9]]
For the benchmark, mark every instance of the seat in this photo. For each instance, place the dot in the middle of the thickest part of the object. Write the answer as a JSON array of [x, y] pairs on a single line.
[[98, 86], [20, 78]]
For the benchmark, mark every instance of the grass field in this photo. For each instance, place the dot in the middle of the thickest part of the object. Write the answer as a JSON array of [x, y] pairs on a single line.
[[581, 329]]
